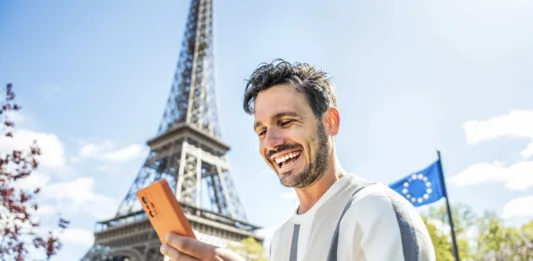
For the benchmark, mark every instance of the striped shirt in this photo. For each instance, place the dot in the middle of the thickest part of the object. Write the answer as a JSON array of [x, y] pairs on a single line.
[[354, 220]]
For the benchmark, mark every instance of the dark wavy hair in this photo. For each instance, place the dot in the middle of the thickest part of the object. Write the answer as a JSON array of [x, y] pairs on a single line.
[[306, 79]]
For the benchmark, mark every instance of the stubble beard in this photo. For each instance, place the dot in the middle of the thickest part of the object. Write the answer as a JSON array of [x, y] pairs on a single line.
[[315, 169]]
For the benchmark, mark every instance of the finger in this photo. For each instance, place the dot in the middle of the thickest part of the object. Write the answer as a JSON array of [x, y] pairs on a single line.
[[174, 254], [190, 246]]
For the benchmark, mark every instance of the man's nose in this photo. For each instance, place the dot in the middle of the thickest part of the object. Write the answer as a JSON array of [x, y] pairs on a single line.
[[273, 139]]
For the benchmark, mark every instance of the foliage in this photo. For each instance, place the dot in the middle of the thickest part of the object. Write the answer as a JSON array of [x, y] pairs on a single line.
[[17, 223], [443, 247], [251, 249], [463, 219], [498, 242], [479, 238]]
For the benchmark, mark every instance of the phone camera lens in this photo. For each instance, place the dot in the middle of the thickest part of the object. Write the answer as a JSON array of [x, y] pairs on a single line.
[[144, 200], [151, 213]]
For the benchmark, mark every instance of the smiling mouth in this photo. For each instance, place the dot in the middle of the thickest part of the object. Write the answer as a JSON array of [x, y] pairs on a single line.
[[287, 160]]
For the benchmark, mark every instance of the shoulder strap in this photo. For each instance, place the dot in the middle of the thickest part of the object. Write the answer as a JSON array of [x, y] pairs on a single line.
[[332, 254]]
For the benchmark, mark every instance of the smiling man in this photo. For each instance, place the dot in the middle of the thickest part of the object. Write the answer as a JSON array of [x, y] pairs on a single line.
[[340, 216]]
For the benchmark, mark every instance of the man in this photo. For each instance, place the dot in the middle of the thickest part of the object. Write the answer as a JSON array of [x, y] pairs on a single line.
[[341, 216]]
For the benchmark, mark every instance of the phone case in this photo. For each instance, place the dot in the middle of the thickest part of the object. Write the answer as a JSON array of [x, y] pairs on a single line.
[[163, 210]]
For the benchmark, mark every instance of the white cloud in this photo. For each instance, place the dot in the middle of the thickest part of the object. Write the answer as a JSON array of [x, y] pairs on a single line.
[[110, 156], [518, 176], [93, 150], [73, 159], [527, 152], [79, 196], [15, 116], [35, 180], [516, 124], [109, 168], [519, 207], [107, 151], [52, 149], [46, 210], [76, 196], [77, 236], [124, 154]]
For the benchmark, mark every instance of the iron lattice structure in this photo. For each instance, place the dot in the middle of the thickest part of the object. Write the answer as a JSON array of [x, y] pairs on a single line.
[[189, 153]]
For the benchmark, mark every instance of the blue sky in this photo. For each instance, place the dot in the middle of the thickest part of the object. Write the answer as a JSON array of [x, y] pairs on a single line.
[[93, 78]]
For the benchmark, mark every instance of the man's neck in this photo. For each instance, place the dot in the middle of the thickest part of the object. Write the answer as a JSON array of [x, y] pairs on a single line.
[[308, 196]]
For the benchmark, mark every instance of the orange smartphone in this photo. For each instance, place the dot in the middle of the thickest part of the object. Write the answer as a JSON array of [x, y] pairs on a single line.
[[163, 210]]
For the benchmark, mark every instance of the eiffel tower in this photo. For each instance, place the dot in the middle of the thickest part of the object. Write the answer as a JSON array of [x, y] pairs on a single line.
[[189, 153]]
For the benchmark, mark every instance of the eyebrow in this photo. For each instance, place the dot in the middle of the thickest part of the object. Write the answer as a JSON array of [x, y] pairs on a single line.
[[279, 115]]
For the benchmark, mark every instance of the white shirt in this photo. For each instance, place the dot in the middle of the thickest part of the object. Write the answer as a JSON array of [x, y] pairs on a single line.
[[379, 225]]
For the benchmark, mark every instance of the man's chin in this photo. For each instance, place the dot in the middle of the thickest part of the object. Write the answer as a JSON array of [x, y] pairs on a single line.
[[287, 183], [287, 174], [290, 179]]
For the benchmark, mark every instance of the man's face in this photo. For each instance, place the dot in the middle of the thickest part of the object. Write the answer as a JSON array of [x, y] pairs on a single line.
[[292, 141]]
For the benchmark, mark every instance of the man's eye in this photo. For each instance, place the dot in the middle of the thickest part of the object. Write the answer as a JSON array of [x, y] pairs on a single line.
[[286, 122], [261, 133]]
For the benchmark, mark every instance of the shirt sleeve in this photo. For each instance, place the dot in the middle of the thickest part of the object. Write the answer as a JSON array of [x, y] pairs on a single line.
[[384, 226]]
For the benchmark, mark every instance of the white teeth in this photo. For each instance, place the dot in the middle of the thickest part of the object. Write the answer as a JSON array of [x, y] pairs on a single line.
[[286, 157]]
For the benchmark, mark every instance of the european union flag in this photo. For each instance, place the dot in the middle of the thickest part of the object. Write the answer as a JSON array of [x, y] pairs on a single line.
[[422, 187]]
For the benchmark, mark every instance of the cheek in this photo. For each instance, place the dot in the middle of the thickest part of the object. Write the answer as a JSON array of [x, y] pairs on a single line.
[[311, 145], [309, 151], [307, 138], [296, 135]]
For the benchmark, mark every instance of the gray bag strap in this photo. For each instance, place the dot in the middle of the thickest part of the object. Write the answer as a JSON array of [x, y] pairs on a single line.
[[332, 254]]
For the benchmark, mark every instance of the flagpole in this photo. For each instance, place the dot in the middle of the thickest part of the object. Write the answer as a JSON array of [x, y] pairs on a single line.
[[455, 249]]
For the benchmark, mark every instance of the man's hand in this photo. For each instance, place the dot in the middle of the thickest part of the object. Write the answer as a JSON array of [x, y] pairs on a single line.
[[181, 248]]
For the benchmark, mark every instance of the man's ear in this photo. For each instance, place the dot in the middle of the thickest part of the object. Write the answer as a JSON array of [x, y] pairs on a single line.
[[333, 121]]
